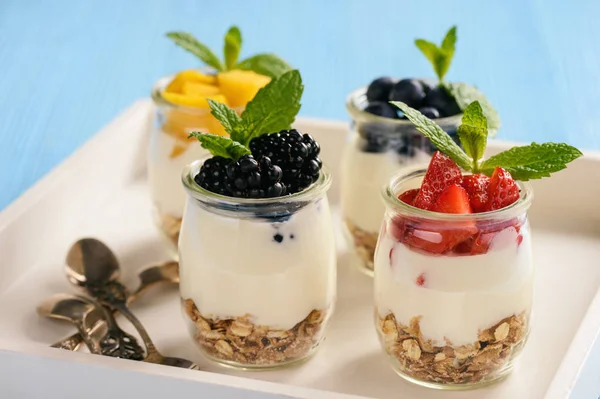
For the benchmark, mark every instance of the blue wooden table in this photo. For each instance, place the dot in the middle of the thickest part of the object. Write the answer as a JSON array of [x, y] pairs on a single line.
[[68, 67]]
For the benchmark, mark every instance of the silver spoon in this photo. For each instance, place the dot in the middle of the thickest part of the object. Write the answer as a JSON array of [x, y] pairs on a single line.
[[167, 272], [92, 265], [85, 315]]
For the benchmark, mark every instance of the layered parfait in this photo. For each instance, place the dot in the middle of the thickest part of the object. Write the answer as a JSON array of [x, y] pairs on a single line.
[[382, 139], [453, 266], [181, 103], [257, 252]]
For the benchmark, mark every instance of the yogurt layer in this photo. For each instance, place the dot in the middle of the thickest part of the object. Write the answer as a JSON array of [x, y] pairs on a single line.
[[364, 175], [164, 172], [459, 295], [275, 272]]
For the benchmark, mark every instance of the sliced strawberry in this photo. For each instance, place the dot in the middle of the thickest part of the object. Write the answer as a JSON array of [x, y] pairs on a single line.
[[477, 187], [454, 199], [408, 197], [503, 190], [441, 173]]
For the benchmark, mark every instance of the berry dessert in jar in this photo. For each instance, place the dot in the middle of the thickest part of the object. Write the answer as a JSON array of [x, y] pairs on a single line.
[[256, 251], [453, 267], [181, 106], [382, 140]]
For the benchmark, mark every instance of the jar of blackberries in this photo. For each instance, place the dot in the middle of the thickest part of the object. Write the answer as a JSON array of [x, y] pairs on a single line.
[[382, 142]]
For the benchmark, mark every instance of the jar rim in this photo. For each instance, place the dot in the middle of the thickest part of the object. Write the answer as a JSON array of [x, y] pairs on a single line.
[[209, 198], [390, 197], [357, 113], [157, 96]]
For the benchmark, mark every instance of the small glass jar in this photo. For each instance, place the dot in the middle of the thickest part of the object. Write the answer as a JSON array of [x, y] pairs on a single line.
[[257, 276], [453, 293], [170, 151], [375, 150]]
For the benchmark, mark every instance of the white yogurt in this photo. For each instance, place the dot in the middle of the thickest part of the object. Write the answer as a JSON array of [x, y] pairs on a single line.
[[233, 267], [164, 172], [461, 295], [364, 174]]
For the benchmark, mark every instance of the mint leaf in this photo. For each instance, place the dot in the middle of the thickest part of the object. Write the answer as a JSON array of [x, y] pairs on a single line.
[[439, 57], [473, 133], [449, 42], [230, 120], [221, 146], [274, 107], [232, 47], [533, 161], [266, 64], [465, 94], [189, 43], [433, 132]]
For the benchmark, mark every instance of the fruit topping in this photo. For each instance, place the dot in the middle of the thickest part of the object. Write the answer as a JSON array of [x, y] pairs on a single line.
[[409, 91], [383, 109], [420, 280], [379, 89], [503, 190], [443, 102], [430, 112], [408, 197], [297, 155], [437, 238], [441, 173], [454, 199], [477, 187]]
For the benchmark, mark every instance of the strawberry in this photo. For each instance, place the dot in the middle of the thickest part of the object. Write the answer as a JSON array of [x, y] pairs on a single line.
[[503, 190], [454, 199], [477, 186], [408, 197], [441, 173]]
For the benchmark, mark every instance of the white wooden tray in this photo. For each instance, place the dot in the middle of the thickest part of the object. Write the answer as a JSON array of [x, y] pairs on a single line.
[[100, 191]]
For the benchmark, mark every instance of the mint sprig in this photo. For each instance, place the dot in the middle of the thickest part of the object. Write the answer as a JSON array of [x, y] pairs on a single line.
[[265, 64], [221, 146], [441, 56], [533, 161], [274, 108]]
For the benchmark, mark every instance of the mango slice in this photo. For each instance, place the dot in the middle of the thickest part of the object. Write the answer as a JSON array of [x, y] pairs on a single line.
[[240, 86], [193, 101], [199, 89], [190, 75]]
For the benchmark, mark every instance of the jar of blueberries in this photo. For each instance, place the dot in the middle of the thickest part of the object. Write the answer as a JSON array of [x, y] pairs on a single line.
[[382, 142]]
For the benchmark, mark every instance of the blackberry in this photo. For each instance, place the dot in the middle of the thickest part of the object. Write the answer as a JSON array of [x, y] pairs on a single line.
[[245, 178], [295, 154]]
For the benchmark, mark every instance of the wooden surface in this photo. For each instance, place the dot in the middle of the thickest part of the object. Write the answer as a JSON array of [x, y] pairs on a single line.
[[68, 67]]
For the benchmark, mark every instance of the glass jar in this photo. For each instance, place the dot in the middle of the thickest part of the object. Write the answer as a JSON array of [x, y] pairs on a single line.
[[170, 151], [453, 293], [375, 150], [257, 276]]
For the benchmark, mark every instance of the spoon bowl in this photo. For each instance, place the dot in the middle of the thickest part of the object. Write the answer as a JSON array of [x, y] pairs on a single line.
[[90, 261]]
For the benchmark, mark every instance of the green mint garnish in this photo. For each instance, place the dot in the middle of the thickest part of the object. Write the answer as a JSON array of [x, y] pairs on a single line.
[[232, 47], [221, 146], [264, 64], [274, 108], [473, 133], [528, 162], [532, 161], [465, 94], [440, 57], [436, 134]]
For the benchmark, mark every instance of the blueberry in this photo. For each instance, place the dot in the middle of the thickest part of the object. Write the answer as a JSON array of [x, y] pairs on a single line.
[[409, 91], [254, 179], [439, 98], [274, 173], [427, 86], [275, 190], [430, 112], [379, 89], [383, 109], [375, 143]]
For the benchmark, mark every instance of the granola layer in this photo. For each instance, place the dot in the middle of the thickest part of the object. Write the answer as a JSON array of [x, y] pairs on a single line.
[[241, 341], [364, 242], [479, 361]]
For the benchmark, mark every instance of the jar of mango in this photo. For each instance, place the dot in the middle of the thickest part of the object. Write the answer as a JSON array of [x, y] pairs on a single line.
[[181, 107]]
